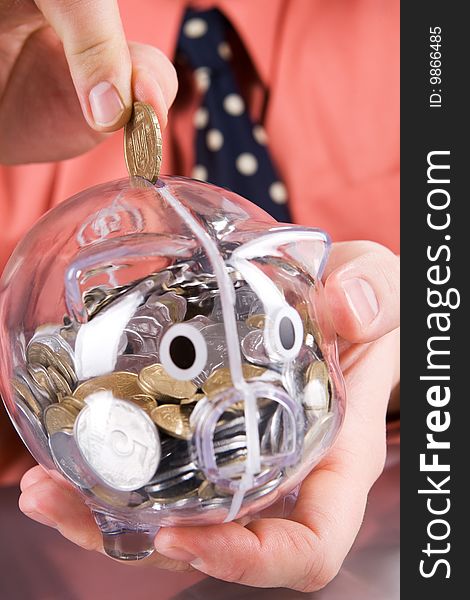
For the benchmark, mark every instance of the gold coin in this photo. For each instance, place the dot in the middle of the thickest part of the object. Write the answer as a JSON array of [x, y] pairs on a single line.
[[172, 420], [144, 401], [42, 379], [58, 418], [172, 309], [154, 380], [123, 385], [143, 143], [72, 403], [206, 490], [318, 371], [25, 393], [190, 402], [59, 382], [64, 366], [256, 321], [221, 379], [310, 325], [40, 354]]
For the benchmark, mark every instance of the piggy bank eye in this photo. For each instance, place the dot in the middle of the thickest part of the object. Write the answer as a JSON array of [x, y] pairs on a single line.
[[285, 334], [183, 351]]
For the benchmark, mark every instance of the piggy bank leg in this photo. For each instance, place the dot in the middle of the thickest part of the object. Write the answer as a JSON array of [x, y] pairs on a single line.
[[123, 540]]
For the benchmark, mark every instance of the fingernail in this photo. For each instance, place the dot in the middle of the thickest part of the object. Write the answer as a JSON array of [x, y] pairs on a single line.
[[361, 299], [176, 553], [41, 519], [106, 104]]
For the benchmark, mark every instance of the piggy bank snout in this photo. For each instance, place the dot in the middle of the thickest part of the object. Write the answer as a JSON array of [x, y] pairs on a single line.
[[268, 434]]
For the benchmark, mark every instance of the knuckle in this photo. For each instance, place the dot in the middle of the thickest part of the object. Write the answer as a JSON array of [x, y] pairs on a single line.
[[310, 548], [228, 562], [89, 49], [326, 574], [236, 571], [318, 571]]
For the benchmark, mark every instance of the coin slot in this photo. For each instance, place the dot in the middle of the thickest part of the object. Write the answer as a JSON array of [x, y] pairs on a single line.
[[183, 351]]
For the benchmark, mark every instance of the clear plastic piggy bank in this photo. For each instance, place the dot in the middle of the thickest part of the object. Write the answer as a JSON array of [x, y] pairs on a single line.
[[167, 349]]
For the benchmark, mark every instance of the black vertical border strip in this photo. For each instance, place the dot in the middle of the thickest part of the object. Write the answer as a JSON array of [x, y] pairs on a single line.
[[425, 129]]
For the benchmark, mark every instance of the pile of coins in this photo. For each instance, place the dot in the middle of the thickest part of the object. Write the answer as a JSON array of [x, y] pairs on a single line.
[[56, 403]]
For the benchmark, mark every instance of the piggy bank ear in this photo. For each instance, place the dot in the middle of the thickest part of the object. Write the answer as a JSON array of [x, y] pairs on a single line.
[[307, 247]]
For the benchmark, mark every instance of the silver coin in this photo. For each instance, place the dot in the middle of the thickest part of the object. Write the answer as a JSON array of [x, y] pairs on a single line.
[[217, 354], [69, 460], [226, 428], [170, 474], [253, 348], [293, 372], [134, 363], [44, 389], [244, 300], [200, 322], [140, 344], [235, 443], [41, 396], [275, 439], [53, 340], [118, 440], [150, 320], [168, 483]]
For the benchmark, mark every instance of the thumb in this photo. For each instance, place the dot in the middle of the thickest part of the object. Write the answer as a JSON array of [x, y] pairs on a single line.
[[98, 56], [362, 289]]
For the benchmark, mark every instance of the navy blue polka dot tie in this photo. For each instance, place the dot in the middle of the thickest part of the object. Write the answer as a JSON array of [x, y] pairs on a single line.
[[230, 148]]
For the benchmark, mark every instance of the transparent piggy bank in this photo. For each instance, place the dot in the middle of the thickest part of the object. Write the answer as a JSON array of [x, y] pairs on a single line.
[[167, 349]]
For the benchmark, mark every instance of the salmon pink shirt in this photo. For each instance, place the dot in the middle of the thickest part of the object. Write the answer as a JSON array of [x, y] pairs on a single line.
[[329, 71]]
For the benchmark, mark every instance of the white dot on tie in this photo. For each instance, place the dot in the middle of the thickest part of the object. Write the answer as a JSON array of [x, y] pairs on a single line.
[[199, 172], [203, 78], [214, 139], [278, 192], [194, 28], [260, 135], [224, 50], [247, 163], [201, 118], [234, 105]]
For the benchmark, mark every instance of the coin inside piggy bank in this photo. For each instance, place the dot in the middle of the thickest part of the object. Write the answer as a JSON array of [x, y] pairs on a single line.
[[168, 350]]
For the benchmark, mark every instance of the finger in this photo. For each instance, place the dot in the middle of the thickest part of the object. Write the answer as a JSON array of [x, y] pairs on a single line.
[[51, 501], [60, 506], [154, 79], [32, 476], [362, 289], [98, 56]]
